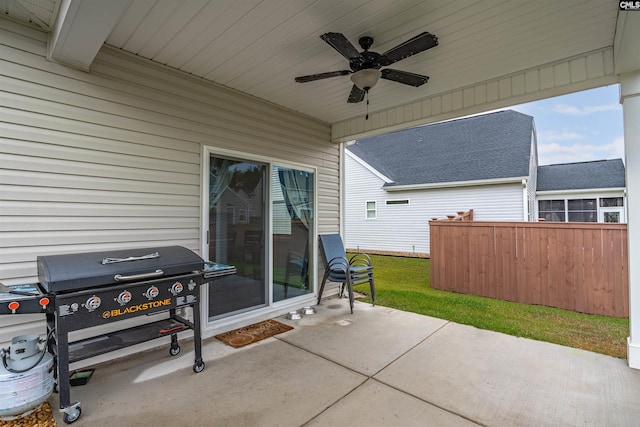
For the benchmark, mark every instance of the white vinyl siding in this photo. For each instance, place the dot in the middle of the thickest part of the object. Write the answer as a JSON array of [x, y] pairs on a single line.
[[112, 158], [406, 228]]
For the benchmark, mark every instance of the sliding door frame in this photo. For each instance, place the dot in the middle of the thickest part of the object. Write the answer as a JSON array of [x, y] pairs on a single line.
[[271, 162]]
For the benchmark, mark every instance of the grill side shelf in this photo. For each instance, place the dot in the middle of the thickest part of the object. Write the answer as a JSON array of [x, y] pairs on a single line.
[[100, 344]]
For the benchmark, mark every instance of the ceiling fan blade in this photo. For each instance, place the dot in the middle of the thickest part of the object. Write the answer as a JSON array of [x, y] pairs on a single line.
[[356, 95], [417, 44], [340, 43], [404, 77], [312, 77]]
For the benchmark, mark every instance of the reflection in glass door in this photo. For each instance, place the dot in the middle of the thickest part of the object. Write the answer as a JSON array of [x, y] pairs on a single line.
[[237, 224], [292, 199]]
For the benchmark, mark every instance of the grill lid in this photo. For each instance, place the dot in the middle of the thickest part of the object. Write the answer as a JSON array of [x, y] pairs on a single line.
[[69, 272]]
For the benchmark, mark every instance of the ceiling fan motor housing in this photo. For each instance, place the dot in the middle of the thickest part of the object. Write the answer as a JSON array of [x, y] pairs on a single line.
[[369, 60], [365, 42]]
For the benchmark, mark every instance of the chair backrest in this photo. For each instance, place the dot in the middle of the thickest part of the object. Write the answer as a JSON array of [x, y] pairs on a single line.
[[332, 246]]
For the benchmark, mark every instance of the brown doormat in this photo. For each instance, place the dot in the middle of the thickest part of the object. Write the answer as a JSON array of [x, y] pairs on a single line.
[[253, 333], [41, 417]]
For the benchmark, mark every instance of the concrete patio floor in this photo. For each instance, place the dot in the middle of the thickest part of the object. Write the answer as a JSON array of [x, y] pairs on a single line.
[[375, 367]]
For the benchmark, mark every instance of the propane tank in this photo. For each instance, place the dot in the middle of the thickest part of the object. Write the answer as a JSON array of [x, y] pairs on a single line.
[[26, 377]]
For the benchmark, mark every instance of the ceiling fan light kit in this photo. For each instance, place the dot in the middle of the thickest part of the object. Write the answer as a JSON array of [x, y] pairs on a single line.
[[366, 67], [366, 79]]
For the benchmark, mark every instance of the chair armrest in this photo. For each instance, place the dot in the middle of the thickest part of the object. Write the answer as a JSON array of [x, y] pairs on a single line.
[[360, 259], [340, 263]]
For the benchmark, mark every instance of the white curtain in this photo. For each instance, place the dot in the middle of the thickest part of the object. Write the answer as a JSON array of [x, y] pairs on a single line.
[[297, 188], [220, 175]]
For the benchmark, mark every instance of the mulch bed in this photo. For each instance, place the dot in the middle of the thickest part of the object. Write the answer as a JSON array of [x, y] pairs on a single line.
[[253, 333], [41, 417]]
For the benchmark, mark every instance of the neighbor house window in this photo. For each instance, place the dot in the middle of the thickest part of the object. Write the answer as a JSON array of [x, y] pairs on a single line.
[[551, 210], [371, 209], [397, 202], [611, 217], [582, 210], [610, 202]]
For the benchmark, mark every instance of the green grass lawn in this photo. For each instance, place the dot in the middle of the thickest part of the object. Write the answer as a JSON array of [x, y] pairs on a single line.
[[403, 283]]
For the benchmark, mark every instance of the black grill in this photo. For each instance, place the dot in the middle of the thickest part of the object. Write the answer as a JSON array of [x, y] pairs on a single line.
[[97, 288], [82, 290]]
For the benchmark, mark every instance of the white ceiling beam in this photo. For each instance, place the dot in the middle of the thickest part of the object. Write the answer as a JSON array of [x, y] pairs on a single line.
[[625, 47], [81, 28]]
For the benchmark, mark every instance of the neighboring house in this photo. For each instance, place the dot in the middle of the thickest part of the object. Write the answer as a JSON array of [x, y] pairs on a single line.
[[395, 183], [586, 191]]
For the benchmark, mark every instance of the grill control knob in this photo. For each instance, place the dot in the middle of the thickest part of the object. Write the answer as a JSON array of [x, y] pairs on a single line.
[[151, 293], [92, 303], [176, 288], [124, 297], [13, 306]]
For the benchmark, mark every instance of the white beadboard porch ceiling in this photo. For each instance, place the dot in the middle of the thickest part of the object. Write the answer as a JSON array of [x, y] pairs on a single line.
[[259, 46]]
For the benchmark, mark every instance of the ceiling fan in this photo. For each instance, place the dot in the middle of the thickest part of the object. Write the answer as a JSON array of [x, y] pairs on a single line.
[[366, 65]]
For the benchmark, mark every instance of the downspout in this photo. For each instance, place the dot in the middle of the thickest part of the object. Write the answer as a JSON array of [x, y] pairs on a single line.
[[341, 191], [525, 201]]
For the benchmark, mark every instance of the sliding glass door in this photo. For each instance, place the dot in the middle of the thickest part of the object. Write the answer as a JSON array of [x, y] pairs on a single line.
[[237, 225], [260, 220]]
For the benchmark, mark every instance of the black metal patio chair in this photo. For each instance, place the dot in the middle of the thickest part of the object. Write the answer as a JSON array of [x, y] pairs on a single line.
[[349, 273]]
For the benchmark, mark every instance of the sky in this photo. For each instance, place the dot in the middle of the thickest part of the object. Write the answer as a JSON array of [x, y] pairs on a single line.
[[578, 127]]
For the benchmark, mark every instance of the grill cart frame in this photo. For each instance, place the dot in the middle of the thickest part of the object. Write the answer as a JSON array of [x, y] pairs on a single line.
[[101, 288]]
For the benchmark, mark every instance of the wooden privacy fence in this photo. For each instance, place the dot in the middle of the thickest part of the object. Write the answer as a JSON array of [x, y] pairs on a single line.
[[576, 266]]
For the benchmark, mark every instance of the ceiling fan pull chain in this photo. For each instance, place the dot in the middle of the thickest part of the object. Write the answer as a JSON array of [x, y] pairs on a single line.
[[366, 117]]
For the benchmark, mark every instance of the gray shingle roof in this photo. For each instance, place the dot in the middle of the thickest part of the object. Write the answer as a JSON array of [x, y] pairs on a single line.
[[582, 175], [490, 146]]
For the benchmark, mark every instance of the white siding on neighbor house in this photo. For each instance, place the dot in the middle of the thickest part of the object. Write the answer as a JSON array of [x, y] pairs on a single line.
[[112, 158], [405, 228]]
